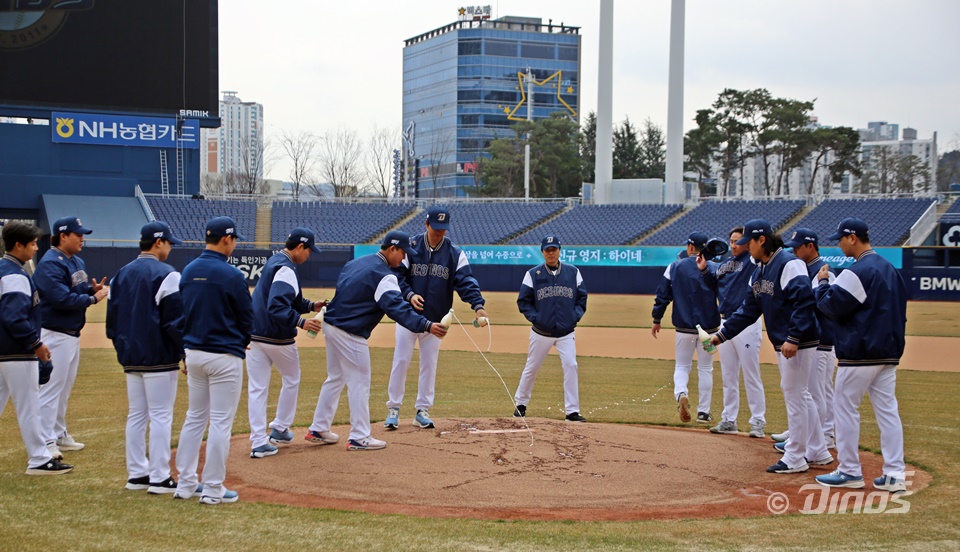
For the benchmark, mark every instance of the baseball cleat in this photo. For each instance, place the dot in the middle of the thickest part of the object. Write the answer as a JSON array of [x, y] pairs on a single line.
[[888, 483], [68, 443], [263, 451], [780, 467], [837, 478], [366, 444], [228, 496], [704, 418], [683, 407], [725, 427], [520, 412], [322, 437], [780, 437], [575, 417], [138, 483], [393, 419], [780, 447], [278, 437], [53, 467], [166, 486], [756, 431], [422, 420]]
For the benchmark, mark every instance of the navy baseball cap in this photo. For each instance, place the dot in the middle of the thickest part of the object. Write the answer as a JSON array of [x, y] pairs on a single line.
[[70, 225], [851, 225], [697, 239], [801, 236], [305, 236], [158, 230], [438, 217], [754, 229], [400, 240], [549, 241], [219, 227]]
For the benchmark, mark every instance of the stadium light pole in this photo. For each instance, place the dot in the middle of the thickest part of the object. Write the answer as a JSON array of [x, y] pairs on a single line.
[[674, 172], [526, 148], [603, 164]]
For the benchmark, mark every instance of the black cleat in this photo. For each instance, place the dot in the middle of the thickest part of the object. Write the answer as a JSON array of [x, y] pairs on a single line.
[[575, 417], [704, 418], [52, 467], [521, 411]]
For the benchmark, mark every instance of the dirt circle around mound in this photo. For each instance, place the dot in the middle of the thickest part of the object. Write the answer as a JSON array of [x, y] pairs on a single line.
[[494, 468]]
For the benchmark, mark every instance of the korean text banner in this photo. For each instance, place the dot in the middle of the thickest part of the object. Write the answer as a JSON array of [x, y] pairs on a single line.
[[596, 255], [113, 130]]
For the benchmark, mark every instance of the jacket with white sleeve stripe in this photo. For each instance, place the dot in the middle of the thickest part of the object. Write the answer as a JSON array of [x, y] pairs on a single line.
[[782, 294], [553, 301], [435, 274], [366, 289], [145, 316], [278, 302], [693, 293], [869, 302], [65, 292], [19, 312]]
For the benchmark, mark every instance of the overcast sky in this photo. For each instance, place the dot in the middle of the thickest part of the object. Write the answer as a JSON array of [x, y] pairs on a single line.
[[316, 65]]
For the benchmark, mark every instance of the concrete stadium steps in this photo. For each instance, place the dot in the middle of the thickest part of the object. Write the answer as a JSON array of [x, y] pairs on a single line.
[[264, 223], [536, 225], [416, 213]]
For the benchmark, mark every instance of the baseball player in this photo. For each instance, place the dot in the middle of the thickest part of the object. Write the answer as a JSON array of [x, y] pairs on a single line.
[[781, 293], [366, 289], [429, 276], [553, 298], [869, 301], [218, 319], [145, 323], [21, 346], [65, 295], [805, 244], [742, 353], [690, 283], [277, 305]]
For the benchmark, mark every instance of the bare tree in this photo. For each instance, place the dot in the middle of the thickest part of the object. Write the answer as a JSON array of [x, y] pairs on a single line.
[[253, 161], [301, 149], [439, 154], [340, 161], [378, 172]]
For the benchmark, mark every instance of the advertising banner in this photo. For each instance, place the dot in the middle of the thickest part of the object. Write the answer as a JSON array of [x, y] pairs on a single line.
[[113, 130]]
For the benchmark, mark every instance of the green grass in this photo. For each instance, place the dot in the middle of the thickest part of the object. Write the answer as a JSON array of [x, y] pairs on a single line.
[[89, 509]]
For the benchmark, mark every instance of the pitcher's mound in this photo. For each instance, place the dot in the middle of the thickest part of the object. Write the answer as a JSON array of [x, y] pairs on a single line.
[[487, 468]]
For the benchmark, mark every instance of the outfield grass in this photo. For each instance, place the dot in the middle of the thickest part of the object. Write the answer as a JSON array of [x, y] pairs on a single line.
[[89, 509]]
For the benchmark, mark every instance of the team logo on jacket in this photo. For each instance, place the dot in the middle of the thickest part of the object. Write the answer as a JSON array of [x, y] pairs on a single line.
[[764, 287]]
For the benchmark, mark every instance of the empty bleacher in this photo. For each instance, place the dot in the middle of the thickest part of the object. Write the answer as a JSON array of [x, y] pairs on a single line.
[[716, 218], [889, 219], [488, 222], [337, 223], [188, 217], [601, 224]]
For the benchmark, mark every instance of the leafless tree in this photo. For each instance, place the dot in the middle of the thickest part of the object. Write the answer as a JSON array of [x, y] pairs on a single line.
[[378, 171], [440, 152], [340, 161], [301, 148]]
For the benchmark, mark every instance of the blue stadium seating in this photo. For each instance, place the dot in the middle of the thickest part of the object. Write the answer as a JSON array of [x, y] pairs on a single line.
[[337, 223], [716, 218], [601, 224], [889, 219], [488, 223], [188, 217]]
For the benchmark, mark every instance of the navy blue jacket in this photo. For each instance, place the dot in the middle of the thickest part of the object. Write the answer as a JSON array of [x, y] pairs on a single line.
[[694, 296], [826, 324], [65, 292], [366, 289], [145, 316], [278, 302], [435, 274], [217, 309], [733, 282], [782, 294], [554, 302], [869, 301], [19, 312]]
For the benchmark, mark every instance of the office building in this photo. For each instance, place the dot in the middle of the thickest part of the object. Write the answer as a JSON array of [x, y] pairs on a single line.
[[237, 146]]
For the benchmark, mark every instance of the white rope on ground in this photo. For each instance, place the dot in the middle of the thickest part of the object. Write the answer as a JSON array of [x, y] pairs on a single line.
[[507, 389]]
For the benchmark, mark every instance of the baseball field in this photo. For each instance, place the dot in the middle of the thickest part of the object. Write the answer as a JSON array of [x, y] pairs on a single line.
[[624, 385]]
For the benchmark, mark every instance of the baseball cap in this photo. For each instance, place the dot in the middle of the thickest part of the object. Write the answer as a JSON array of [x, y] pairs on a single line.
[[400, 240], [801, 236], [715, 247], [438, 217], [754, 229], [850, 225], [697, 239], [549, 241], [69, 224], [305, 236], [218, 227], [158, 230]]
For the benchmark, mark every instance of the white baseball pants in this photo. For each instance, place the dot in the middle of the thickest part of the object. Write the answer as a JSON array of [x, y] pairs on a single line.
[[348, 363], [742, 353], [806, 441], [214, 381], [539, 347], [686, 345], [826, 365], [880, 382], [260, 358], [402, 355], [150, 396], [19, 380], [55, 394]]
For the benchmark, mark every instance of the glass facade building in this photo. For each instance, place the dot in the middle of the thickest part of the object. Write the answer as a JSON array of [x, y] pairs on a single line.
[[462, 89]]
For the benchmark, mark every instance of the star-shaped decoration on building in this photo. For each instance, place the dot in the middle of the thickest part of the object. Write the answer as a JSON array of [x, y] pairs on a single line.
[[511, 113]]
